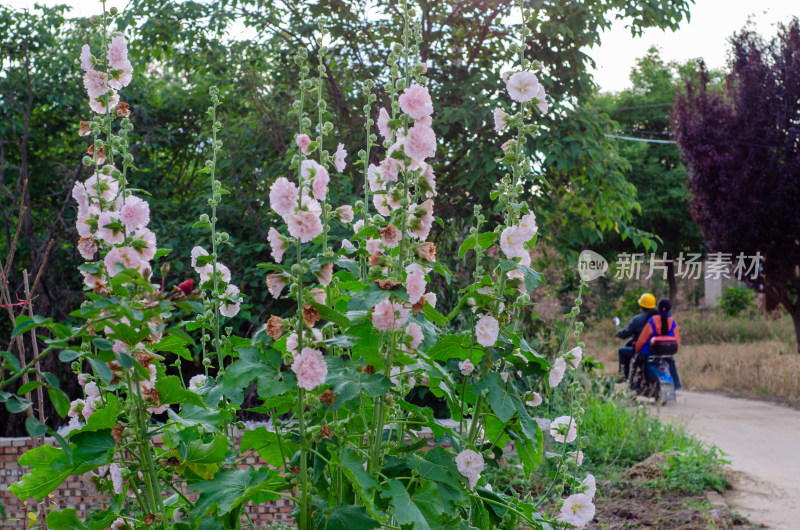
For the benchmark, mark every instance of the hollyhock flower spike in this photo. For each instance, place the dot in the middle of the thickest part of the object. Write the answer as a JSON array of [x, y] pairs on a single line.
[[522, 86], [310, 368], [283, 196]]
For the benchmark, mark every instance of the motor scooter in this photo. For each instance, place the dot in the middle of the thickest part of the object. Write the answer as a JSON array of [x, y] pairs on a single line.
[[650, 375]]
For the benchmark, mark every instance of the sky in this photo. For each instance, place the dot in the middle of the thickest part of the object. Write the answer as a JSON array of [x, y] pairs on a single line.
[[705, 35]]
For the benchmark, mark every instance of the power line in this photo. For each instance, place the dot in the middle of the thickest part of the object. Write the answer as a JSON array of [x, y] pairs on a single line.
[[644, 140]]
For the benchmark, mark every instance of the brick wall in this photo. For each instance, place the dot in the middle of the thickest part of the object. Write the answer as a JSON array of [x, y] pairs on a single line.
[[81, 495]]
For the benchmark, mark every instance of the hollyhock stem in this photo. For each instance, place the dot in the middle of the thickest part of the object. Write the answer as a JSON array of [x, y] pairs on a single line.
[[303, 523], [212, 111]]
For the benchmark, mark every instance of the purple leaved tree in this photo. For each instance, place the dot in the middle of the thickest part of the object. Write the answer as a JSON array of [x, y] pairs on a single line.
[[742, 148]]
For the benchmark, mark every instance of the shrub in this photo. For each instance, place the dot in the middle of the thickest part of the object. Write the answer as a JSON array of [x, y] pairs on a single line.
[[735, 300]]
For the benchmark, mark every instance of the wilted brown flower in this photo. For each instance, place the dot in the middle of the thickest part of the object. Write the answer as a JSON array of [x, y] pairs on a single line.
[[123, 110], [274, 327], [117, 433], [149, 519], [427, 251], [327, 397], [387, 284], [368, 369], [310, 315], [419, 306], [99, 156], [326, 432], [145, 358], [375, 259], [84, 129]]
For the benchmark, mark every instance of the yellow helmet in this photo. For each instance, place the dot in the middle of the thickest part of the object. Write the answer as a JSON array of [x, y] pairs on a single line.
[[647, 301]]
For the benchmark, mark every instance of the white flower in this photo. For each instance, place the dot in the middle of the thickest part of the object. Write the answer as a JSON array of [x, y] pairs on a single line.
[[578, 456], [577, 509], [500, 122], [574, 356], [470, 464], [338, 158], [536, 401], [196, 382], [557, 372], [466, 367], [522, 86], [541, 97], [591, 486], [116, 477], [563, 429]]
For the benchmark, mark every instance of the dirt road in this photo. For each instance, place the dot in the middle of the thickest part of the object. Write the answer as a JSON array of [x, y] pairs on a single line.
[[762, 441]]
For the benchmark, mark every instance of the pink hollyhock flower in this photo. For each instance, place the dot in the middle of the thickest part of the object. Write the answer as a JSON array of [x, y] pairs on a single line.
[[421, 219], [115, 471], [275, 284], [310, 369], [80, 196], [486, 330], [344, 213], [197, 382], [338, 158], [383, 124], [87, 247], [516, 274], [102, 107], [320, 185], [390, 236], [500, 122], [414, 331], [466, 367], [207, 272], [536, 401], [389, 315], [577, 510], [128, 257], [374, 178], [358, 225], [318, 295], [304, 225], [381, 204], [75, 408], [430, 298], [283, 196], [574, 356], [325, 274], [426, 121], [541, 97], [144, 240], [416, 101], [373, 245], [415, 282], [389, 169], [86, 58], [276, 244], [118, 60], [510, 243], [135, 213], [430, 178], [522, 86], [105, 222], [231, 301], [590, 483], [310, 204], [563, 429], [557, 372], [91, 280], [470, 464], [100, 186], [83, 378], [420, 143], [506, 75], [527, 227], [578, 456], [96, 83], [303, 141]]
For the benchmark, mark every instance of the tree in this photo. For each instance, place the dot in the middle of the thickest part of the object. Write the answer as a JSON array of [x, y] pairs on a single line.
[[742, 148], [643, 111]]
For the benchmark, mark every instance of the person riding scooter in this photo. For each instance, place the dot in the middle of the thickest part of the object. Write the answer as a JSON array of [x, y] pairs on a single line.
[[660, 325], [647, 303]]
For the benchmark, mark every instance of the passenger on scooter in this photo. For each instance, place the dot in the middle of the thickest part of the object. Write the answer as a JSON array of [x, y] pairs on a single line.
[[661, 323], [647, 303]]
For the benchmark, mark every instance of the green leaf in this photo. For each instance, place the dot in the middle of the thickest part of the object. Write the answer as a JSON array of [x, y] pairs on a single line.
[[451, 347], [34, 428], [60, 400], [176, 344], [101, 369], [170, 391], [362, 482], [12, 360], [27, 387], [367, 298], [405, 510], [434, 315], [503, 403], [104, 418], [23, 323], [331, 315], [192, 415], [345, 517], [268, 445], [162, 252], [259, 365], [232, 487], [66, 356], [17, 404], [467, 245], [199, 452], [65, 520], [103, 344]]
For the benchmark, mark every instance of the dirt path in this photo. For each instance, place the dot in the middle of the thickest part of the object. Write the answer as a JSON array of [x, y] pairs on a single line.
[[762, 441]]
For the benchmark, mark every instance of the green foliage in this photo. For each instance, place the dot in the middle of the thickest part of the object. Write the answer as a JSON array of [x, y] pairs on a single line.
[[736, 299]]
